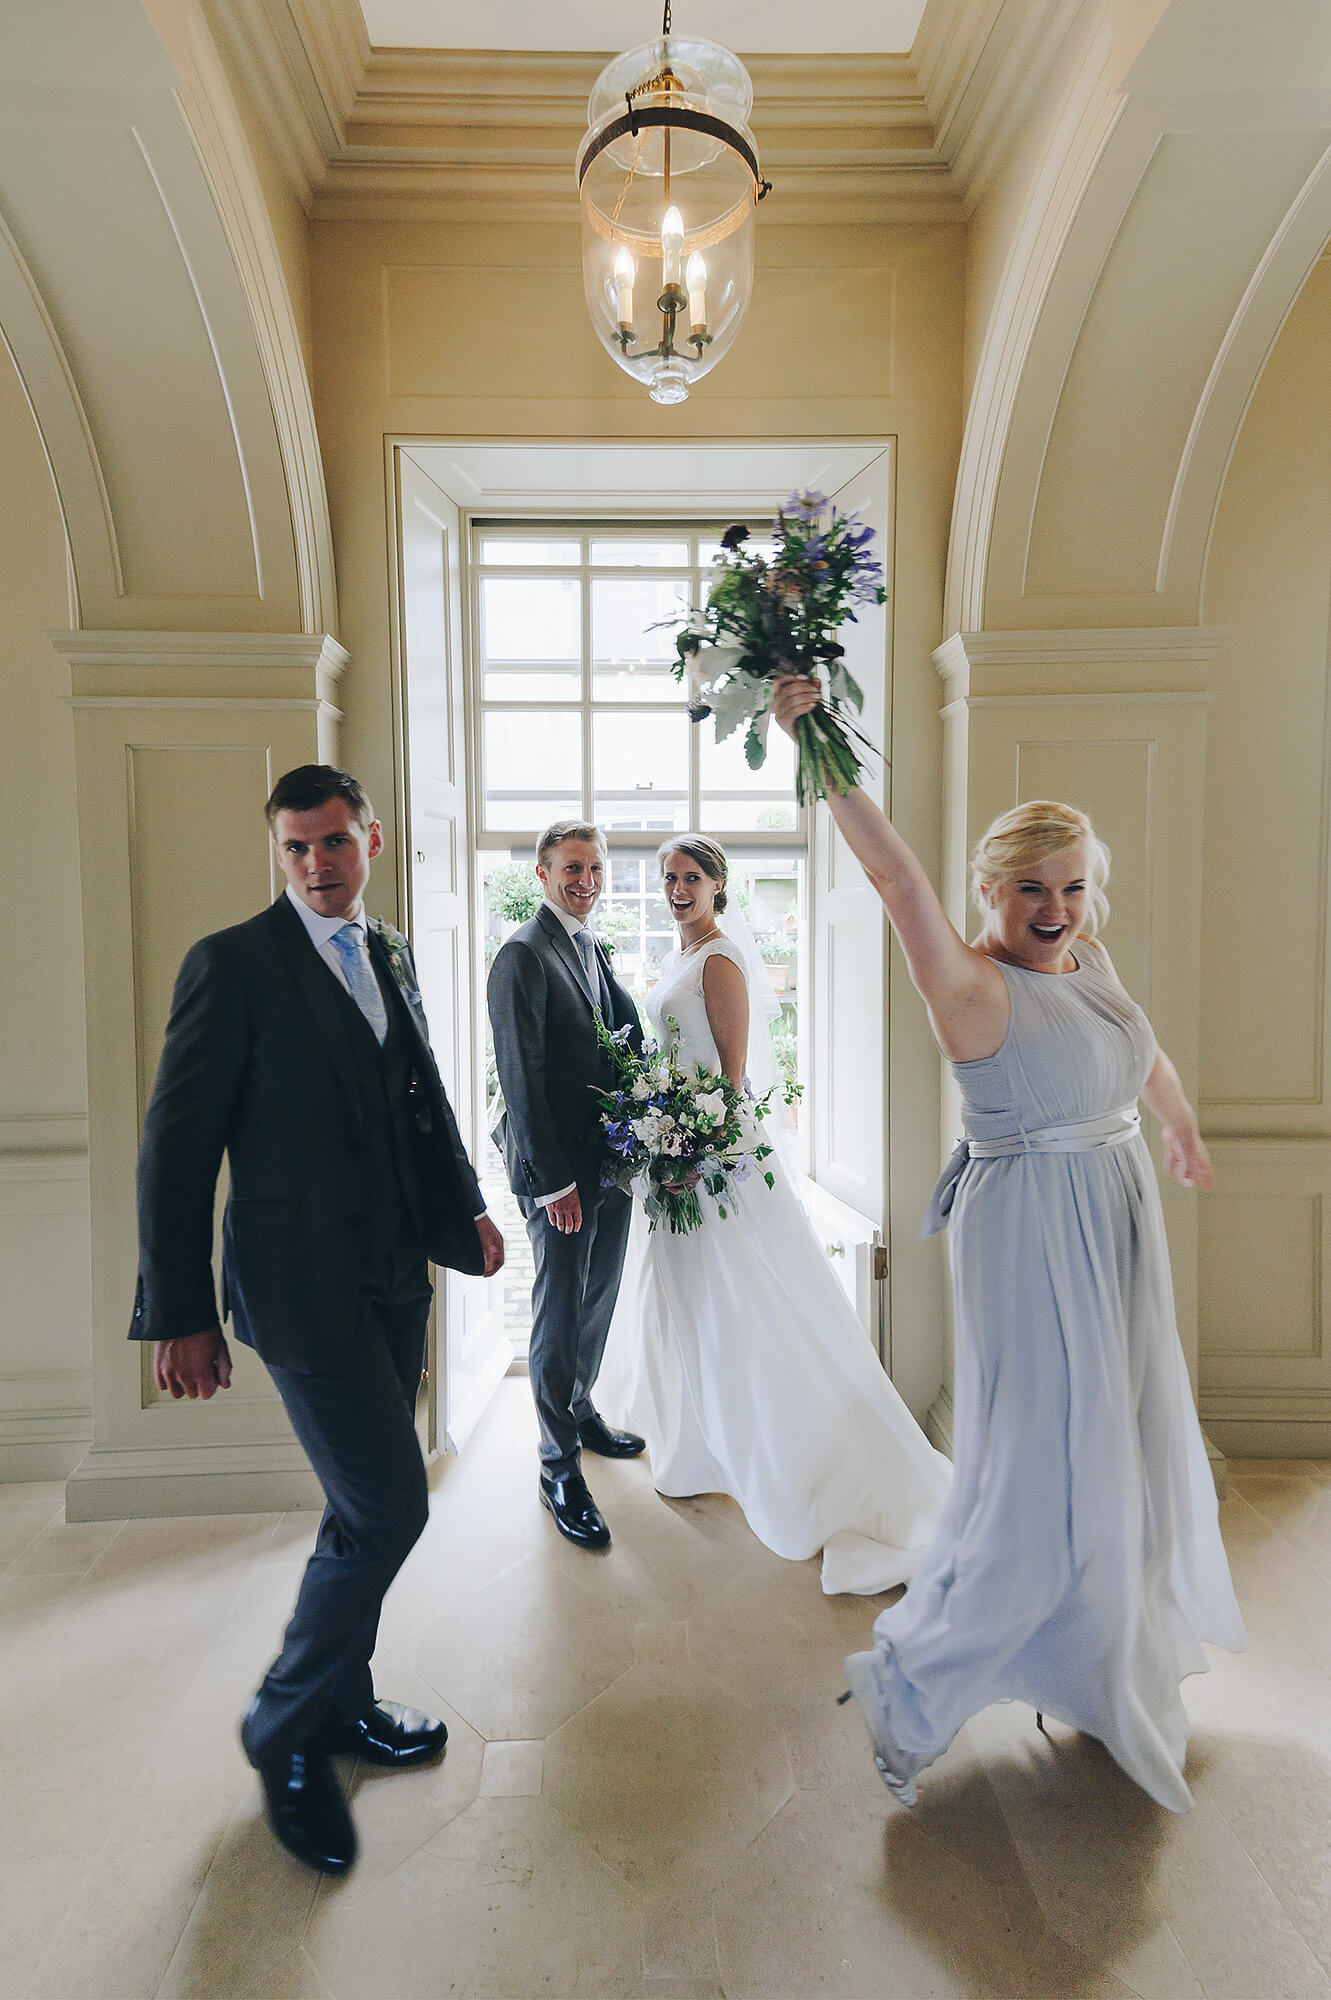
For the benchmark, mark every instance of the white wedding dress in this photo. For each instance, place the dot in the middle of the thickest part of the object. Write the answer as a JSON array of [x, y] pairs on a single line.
[[737, 1355]]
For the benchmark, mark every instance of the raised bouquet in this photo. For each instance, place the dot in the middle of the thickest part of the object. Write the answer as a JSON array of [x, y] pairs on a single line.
[[671, 1133], [768, 616]]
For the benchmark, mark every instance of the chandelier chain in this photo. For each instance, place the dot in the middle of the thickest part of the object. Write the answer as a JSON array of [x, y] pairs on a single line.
[[665, 19]]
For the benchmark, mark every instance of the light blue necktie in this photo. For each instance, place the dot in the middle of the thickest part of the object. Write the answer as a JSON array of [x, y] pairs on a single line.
[[363, 985]]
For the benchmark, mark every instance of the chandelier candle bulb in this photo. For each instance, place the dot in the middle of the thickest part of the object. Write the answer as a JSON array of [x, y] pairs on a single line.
[[696, 278], [672, 248], [624, 276]]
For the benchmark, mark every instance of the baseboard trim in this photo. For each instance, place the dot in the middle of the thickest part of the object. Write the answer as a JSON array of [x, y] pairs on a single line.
[[42, 1444], [1272, 1437], [112, 1484]]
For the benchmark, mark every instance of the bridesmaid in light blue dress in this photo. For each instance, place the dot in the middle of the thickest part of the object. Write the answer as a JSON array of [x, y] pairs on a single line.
[[1078, 1564]]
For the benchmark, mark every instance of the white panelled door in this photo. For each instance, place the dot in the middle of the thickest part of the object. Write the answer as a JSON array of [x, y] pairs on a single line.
[[470, 1354], [849, 1027]]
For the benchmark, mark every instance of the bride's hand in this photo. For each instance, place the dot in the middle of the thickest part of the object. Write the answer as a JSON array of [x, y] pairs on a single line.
[[794, 695], [690, 1180]]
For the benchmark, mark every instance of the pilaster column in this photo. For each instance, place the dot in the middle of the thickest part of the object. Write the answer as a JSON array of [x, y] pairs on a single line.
[[1114, 722], [178, 740]]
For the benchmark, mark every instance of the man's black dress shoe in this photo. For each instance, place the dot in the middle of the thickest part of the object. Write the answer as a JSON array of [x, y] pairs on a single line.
[[596, 1435], [389, 1734], [576, 1514], [306, 1809]]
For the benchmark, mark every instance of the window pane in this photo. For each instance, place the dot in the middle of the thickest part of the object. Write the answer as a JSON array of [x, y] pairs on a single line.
[[635, 683], [530, 618], [533, 767], [529, 555], [622, 612], [723, 769], [504, 685], [642, 555], [640, 766]]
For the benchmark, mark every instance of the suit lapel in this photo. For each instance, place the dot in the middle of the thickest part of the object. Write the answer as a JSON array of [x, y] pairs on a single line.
[[317, 985], [567, 950]]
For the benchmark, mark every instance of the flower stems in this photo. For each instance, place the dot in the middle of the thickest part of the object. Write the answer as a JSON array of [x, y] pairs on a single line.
[[825, 758]]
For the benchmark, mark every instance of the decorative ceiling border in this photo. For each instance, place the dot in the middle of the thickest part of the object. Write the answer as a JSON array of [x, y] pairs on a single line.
[[425, 134]]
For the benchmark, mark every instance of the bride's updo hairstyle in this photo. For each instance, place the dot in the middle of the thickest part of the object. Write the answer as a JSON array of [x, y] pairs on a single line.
[[709, 855], [1027, 835]]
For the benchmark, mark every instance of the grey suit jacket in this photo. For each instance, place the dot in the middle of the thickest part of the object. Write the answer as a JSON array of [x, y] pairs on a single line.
[[548, 1057]]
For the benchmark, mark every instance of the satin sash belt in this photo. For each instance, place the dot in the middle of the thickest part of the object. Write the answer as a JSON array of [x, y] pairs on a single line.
[[1080, 1135]]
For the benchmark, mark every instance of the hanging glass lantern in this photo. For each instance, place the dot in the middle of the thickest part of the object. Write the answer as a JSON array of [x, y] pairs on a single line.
[[669, 181]]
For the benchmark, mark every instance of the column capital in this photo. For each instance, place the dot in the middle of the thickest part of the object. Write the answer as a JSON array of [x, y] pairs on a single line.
[[1160, 660]]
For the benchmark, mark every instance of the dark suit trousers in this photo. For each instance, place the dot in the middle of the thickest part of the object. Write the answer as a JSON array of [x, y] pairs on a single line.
[[357, 1425], [572, 1301]]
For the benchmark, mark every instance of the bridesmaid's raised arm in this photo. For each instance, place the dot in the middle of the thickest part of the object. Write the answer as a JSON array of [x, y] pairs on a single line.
[[961, 987]]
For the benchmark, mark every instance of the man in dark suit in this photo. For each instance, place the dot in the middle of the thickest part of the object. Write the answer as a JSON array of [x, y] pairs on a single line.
[[297, 1046], [549, 986]]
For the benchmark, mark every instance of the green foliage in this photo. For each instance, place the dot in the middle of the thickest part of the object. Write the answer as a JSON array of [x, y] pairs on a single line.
[[514, 891]]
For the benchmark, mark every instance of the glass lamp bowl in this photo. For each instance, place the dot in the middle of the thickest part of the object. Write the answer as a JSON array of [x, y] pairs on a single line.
[[668, 181]]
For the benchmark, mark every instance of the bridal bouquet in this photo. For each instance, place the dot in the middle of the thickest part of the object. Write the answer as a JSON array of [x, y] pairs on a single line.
[[670, 1133], [780, 615]]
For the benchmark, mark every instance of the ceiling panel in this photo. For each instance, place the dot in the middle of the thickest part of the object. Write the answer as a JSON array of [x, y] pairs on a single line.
[[779, 27]]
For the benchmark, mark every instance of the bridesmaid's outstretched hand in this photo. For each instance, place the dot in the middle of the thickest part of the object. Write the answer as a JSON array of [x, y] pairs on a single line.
[[794, 695]]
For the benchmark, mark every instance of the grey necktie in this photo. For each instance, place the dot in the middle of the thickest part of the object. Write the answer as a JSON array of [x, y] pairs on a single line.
[[363, 985], [587, 951]]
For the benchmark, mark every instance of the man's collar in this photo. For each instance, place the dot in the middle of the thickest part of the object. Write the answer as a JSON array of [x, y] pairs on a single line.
[[571, 923], [320, 929]]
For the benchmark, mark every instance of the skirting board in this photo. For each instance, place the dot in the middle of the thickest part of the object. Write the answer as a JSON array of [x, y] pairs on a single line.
[[938, 1430], [111, 1485], [1273, 1437]]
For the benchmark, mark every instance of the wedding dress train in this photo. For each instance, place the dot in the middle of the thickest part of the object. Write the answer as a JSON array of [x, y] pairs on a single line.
[[736, 1354]]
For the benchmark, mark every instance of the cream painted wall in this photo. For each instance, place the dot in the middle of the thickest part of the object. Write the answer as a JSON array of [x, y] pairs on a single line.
[[1265, 1031], [45, 1360], [187, 39], [462, 330]]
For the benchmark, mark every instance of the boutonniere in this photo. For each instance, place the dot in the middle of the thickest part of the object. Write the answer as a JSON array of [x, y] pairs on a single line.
[[399, 958]]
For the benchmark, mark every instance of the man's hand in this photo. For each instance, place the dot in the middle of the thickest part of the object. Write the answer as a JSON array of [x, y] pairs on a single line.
[[197, 1365], [566, 1214], [492, 1243]]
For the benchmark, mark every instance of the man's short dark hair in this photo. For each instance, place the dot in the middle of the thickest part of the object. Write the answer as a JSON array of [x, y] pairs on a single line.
[[313, 785]]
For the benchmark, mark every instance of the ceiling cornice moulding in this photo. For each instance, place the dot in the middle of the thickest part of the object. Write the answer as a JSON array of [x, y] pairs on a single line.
[[416, 134]]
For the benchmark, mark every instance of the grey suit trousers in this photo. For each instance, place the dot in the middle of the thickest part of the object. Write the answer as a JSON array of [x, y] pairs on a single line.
[[573, 1299]]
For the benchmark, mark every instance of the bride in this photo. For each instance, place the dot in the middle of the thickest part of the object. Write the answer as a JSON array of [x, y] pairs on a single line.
[[734, 1350]]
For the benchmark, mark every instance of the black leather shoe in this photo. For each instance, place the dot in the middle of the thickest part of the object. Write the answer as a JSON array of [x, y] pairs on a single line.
[[389, 1734], [596, 1435], [576, 1514], [306, 1809]]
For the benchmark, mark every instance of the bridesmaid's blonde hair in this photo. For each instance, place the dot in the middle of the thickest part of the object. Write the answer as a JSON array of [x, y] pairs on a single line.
[[1031, 833]]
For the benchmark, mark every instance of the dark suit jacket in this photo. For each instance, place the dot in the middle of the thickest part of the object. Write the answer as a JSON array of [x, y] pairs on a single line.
[[259, 1062], [546, 1053]]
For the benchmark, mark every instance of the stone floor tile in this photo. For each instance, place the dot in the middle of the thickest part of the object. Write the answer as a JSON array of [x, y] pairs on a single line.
[[665, 1772], [512, 1770]]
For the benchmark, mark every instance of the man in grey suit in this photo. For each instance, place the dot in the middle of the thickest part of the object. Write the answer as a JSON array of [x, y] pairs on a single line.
[[550, 984], [297, 1046]]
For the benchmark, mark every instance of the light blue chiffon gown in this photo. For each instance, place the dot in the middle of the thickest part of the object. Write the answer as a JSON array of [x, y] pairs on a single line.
[[1078, 1564]]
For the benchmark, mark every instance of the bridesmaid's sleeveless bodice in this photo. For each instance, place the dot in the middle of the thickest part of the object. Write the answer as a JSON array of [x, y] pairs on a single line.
[[1076, 1048]]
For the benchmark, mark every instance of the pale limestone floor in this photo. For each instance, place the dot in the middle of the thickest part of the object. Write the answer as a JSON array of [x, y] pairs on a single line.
[[649, 1789]]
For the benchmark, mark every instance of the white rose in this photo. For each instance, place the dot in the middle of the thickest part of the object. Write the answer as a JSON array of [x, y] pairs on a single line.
[[641, 1090], [712, 1105]]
